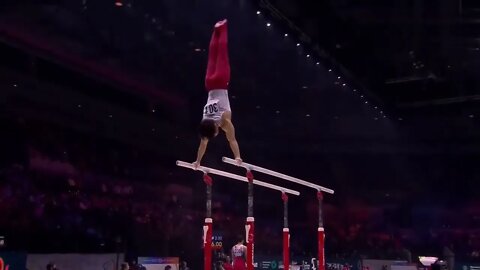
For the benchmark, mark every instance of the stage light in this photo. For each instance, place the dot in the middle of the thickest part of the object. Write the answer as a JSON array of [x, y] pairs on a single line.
[[118, 3], [258, 12], [110, 116], [330, 70], [268, 24], [308, 55], [153, 110], [361, 96], [79, 105], [286, 35], [318, 63], [339, 77], [366, 102], [307, 115], [344, 84], [298, 44], [354, 90]]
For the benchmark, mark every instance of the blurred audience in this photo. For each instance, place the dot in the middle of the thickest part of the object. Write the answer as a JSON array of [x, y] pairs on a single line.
[[83, 195]]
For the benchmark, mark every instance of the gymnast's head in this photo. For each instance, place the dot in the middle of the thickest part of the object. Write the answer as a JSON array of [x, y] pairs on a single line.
[[208, 129], [240, 239]]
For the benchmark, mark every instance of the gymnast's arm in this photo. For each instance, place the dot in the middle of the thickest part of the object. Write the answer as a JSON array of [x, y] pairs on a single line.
[[229, 129], [245, 252], [201, 151]]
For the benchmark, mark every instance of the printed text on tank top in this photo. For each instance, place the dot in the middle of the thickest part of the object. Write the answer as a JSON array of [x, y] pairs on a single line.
[[211, 108], [238, 251], [213, 111]]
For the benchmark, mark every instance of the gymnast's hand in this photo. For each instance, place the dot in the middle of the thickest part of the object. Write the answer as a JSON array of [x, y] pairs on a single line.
[[196, 165], [238, 161]]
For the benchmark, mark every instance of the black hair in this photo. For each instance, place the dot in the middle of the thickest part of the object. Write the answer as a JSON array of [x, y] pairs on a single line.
[[207, 129], [240, 238]]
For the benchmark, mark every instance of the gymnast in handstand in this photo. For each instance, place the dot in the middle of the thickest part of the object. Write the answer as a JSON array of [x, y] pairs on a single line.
[[217, 113]]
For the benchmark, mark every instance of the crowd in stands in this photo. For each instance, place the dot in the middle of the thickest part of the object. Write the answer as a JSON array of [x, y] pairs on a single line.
[[80, 197]]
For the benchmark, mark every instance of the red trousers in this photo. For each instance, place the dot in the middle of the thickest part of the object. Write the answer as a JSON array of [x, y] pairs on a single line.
[[239, 264], [218, 68]]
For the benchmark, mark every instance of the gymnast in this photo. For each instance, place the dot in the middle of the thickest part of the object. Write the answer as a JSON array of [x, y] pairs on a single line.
[[239, 255], [217, 113]]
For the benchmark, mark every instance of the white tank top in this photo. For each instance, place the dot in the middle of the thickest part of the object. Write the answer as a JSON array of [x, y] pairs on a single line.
[[238, 251], [217, 104]]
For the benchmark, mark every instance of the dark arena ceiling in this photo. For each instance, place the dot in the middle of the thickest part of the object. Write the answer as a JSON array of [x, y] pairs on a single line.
[[387, 89]]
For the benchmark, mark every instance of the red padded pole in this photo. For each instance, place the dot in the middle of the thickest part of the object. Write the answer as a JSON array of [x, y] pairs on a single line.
[[250, 231], [321, 233], [321, 249], [286, 233], [208, 226], [250, 226], [207, 244]]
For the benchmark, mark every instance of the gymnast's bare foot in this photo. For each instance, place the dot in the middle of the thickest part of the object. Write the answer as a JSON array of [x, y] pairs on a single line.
[[221, 23]]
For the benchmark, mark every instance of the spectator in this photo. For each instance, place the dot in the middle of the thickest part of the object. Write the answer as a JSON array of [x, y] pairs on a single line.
[[184, 266], [449, 256], [124, 266], [227, 265], [51, 266], [134, 265], [219, 265]]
